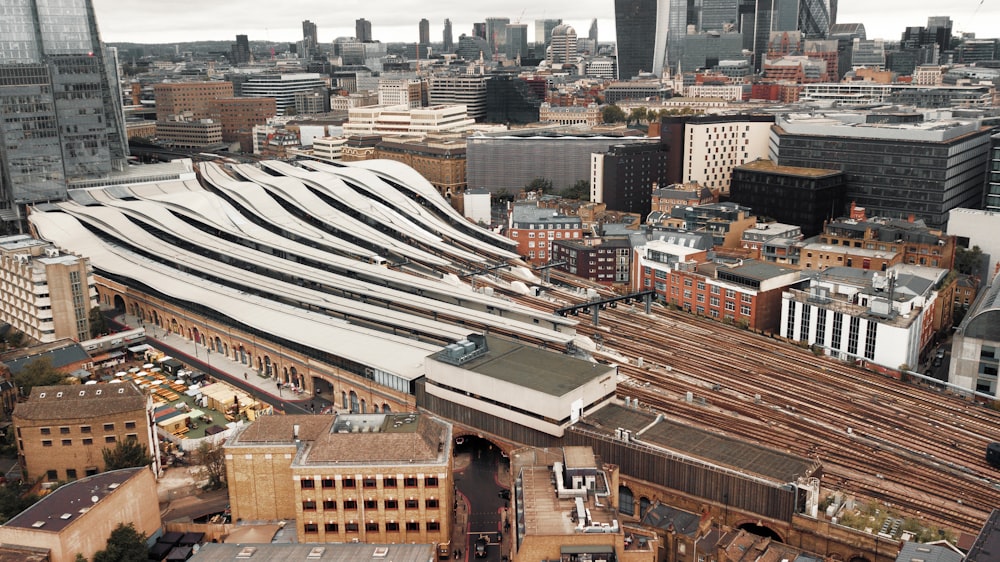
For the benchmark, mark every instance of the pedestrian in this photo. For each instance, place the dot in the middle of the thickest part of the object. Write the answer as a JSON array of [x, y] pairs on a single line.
[[245, 375]]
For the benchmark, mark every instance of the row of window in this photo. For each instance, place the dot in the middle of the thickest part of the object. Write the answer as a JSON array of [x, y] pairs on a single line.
[[370, 482], [89, 440], [371, 527], [65, 430], [310, 504]]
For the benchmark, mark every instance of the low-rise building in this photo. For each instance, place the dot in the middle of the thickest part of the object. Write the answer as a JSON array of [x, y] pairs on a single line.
[[77, 518], [683, 195], [975, 348], [202, 133], [402, 120], [724, 221], [535, 229], [62, 431], [371, 478], [571, 115], [912, 240], [607, 262], [239, 115], [773, 242], [44, 293]]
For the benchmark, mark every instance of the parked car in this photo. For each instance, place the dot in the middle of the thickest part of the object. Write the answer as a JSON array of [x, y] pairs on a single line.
[[480, 547]]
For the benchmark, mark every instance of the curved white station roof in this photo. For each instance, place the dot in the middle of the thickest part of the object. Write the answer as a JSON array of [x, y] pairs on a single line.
[[402, 357]]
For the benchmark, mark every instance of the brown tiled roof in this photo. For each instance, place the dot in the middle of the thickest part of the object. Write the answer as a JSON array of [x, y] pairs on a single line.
[[80, 401], [279, 429], [389, 446]]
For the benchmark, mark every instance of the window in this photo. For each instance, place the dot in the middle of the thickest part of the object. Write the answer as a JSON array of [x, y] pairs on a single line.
[[46, 431], [67, 442], [109, 439], [431, 481], [411, 504], [109, 427], [368, 483], [351, 527], [349, 483], [433, 526], [331, 527], [131, 437], [46, 442], [745, 297], [327, 482], [371, 526], [412, 526], [71, 474], [432, 503], [821, 326], [307, 484], [730, 294], [371, 504], [64, 430], [84, 429], [130, 425], [329, 504], [730, 305], [410, 481], [52, 475], [88, 441], [350, 504], [309, 505], [744, 310], [391, 526], [311, 528], [392, 504]]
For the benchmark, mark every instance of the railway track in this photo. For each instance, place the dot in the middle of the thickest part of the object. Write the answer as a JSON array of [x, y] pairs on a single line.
[[916, 449]]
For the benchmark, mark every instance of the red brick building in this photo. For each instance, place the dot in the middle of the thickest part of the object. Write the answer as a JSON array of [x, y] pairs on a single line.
[[535, 229], [239, 115], [195, 98]]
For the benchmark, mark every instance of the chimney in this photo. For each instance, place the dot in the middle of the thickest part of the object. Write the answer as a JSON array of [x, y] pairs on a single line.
[[911, 218], [295, 431]]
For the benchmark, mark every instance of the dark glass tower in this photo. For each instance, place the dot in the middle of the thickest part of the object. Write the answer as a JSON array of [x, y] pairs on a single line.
[[635, 25], [59, 95]]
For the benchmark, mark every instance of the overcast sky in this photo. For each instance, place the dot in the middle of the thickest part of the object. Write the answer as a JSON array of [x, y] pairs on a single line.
[[158, 21]]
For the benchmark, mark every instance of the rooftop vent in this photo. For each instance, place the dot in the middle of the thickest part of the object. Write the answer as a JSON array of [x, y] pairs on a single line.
[[113, 485], [246, 552], [38, 524], [316, 552], [381, 552], [65, 516]]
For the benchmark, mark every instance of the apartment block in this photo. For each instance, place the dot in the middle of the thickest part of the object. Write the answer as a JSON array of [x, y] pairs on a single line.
[[62, 431], [239, 115], [189, 98], [463, 89], [189, 134], [46, 294], [371, 478], [535, 229]]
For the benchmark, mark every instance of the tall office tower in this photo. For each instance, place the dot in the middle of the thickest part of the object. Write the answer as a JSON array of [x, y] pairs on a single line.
[[59, 94], [479, 30], [240, 52], [310, 39], [845, 34], [592, 34], [833, 11], [719, 15], [496, 35], [517, 40], [363, 30], [563, 47], [814, 18], [425, 32], [770, 15], [640, 27], [449, 43], [543, 33]]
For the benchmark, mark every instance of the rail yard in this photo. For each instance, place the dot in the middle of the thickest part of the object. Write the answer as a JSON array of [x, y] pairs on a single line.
[[915, 449]]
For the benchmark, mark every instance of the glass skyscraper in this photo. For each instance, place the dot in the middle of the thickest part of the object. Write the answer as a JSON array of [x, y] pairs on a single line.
[[62, 113], [641, 28]]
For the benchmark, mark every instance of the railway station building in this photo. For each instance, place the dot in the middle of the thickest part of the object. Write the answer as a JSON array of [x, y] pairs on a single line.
[[372, 478], [975, 349]]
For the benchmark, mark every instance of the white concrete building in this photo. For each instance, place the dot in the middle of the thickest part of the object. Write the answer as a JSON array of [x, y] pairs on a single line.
[[400, 91], [328, 149], [400, 120], [477, 206], [975, 349], [855, 314], [715, 148], [281, 87], [977, 228], [462, 89], [729, 92]]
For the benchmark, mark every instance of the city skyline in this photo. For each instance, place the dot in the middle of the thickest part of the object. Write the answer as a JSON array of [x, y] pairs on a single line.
[[396, 22]]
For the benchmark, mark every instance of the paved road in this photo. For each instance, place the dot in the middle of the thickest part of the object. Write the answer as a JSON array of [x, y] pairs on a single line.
[[478, 483]]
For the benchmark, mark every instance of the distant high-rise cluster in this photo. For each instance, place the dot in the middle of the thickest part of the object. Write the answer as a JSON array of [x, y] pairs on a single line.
[[240, 51], [448, 41], [63, 118], [654, 34], [310, 39], [363, 30]]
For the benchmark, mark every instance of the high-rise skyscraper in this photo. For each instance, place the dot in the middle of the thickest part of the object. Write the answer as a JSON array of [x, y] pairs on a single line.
[[449, 43], [592, 34], [814, 18], [641, 31], [517, 40], [59, 94], [543, 33], [425, 32], [496, 35], [240, 51], [310, 39], [363, 30], [479, 30], [563, 45]]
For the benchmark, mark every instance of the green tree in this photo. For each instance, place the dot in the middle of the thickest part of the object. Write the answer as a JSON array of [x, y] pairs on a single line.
[[638, 114], [613, 114], [213, 463], [579, 190], [124, 545], [543, 185], [968, 261], [14, 501], [126, 454], [39, 372], [98, 325]]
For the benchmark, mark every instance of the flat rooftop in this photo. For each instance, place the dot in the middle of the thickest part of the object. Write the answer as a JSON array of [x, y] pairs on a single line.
[[541, 370], [704, 446], [764, 165], [215, 552], [67, 503]]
